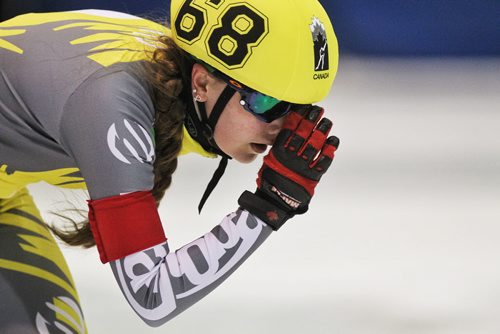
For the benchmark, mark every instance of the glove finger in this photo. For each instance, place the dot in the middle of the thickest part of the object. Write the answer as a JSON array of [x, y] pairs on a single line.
[[295, 142], [322, 164], [332, 141], [308, 152], [300, 123], [282, 138], [325, 126], [325, 159], [293, 119], [317, 138], [308, 123]]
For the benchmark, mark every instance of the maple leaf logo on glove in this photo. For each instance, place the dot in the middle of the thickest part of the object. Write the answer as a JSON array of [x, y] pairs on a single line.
[[272, 215]]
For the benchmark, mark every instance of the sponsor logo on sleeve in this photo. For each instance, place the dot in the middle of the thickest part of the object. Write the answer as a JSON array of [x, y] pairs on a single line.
[[130, 142], [144, 276]]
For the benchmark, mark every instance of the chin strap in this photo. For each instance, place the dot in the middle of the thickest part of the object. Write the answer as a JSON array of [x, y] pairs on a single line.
[[202, 129], [213, 182]]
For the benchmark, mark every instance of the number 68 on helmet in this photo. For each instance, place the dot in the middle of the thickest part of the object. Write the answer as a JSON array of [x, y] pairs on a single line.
[[285, 49]]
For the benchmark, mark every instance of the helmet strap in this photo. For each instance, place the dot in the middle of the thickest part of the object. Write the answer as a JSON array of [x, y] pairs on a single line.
[[213, 182], [219, 106], [202, 129]]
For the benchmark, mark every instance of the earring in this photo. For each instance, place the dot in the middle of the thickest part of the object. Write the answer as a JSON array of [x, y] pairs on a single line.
[[196, 97]]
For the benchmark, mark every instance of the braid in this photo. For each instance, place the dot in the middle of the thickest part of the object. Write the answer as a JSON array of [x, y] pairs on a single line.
[[168, 65]]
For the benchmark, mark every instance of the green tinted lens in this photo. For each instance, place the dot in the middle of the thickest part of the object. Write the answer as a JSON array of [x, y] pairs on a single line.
[[260, 103]]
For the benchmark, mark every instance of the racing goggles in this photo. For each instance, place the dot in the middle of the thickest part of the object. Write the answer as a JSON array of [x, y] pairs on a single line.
[[264, 107]]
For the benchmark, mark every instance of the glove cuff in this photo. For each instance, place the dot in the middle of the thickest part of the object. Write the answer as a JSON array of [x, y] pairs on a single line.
[[271, 214]]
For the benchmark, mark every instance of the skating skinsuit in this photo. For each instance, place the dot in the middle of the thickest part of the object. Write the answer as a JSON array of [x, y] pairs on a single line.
[[74, 112]]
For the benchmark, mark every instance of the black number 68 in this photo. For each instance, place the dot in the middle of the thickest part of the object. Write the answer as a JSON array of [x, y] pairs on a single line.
[[240, 28]]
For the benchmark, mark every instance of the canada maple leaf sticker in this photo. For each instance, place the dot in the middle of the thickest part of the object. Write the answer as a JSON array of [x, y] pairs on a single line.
[[320, 45], [272, 215]]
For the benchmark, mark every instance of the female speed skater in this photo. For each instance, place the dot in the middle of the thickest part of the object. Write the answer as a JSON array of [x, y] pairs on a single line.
[[107, 102]]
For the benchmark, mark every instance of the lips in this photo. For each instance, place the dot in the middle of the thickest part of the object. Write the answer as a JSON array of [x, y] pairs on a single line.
[[259, 148]]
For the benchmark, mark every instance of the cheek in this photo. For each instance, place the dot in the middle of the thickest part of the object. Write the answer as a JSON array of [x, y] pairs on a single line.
[[236, 129], [238, 122]]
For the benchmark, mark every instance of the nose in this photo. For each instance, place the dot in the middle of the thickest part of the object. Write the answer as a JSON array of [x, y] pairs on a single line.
[[275, 127], [278, 122]]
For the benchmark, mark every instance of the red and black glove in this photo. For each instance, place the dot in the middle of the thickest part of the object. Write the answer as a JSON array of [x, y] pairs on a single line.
[[293, 167]]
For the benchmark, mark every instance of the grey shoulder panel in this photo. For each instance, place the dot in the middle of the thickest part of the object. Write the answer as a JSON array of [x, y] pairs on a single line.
[[59, 73], [107, 128]]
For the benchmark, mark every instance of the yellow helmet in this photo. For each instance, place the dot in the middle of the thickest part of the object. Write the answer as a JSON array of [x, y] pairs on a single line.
[[286, 49]]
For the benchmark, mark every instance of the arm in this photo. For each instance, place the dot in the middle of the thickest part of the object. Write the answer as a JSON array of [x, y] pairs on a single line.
[[160, 284]]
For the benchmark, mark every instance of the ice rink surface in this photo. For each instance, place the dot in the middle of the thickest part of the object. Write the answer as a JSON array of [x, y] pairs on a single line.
[[403, 234]]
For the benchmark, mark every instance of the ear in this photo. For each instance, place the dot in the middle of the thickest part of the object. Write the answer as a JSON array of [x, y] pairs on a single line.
[[199, 81]]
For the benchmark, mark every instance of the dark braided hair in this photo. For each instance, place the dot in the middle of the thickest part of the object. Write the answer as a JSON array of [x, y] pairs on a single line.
[[168, 73]]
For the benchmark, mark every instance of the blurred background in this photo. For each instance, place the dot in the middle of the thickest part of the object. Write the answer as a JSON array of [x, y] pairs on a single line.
[[383, 27], [403, 233]]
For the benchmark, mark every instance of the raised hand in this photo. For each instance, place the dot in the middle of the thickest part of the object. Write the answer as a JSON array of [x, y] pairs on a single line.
[[293, 167]]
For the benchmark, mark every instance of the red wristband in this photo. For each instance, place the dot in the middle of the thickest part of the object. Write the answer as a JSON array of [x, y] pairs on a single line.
[[125, 224]]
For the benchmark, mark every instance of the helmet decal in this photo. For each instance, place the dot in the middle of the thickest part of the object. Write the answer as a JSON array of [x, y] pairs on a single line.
[[241, 29], [320, 45], [190, 23], [230, 42]]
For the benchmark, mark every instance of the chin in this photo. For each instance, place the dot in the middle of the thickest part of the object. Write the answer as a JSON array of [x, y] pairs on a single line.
[[245, 158]]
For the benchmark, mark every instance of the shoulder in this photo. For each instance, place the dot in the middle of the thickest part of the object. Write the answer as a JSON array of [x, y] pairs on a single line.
[[117, 90], [107, 127]]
